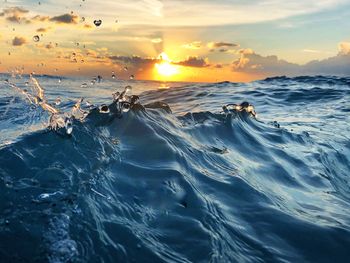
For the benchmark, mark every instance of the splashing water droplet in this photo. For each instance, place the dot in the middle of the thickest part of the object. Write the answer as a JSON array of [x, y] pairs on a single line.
[[128, 89], [126, 107], [98, 22], [116, 96], [84, 85], [126, 68], [132, 77], [113, 76], [58, 101], [59, 80], [69, 126]]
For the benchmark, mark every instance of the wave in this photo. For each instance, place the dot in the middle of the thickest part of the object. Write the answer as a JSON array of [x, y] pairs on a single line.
[[178, 183]]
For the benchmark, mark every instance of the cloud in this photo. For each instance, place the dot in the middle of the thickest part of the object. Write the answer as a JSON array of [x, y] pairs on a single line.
[[134, 60], [39, 18], [156, 40], [13, 10], [43, 30], [344, 48], [65, 19], [194, 62], [193, 45], [15, 14], [221, 45], [311, 51], [250, 62], [19, 41], [87, 26], [49, 46]]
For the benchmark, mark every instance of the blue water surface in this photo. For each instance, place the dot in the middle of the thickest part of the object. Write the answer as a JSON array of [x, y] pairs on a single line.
[[194, 185]]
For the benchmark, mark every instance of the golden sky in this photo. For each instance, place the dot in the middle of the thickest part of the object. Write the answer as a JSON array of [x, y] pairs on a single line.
[[204, 41]]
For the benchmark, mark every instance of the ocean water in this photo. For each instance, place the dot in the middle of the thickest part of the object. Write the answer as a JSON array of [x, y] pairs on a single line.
[[193, 185]]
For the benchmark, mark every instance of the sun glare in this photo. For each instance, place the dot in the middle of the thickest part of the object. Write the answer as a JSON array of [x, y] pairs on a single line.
[[165, 68]]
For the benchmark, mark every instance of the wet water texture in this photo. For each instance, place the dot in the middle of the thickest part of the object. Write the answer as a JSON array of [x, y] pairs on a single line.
[[176, 178]]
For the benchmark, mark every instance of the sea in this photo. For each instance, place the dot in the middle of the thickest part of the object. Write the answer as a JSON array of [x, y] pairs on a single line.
[[189, 175]]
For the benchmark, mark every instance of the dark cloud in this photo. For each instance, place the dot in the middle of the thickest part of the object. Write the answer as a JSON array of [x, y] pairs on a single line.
[[135, 61], [19, 41], [193, 62], [14, 14], [42, 30], [39, 18], [226, 45], [65, 19]]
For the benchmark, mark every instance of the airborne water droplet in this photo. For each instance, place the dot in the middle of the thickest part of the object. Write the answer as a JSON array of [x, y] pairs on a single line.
[[98, 22], [58, 101], [113, 76], [36, 38], [128, 89]]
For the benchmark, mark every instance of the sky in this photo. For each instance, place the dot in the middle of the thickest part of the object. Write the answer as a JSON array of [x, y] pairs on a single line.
[[176, 40]]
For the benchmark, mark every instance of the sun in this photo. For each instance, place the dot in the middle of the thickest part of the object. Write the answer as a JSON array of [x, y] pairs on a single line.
[[165, 68]]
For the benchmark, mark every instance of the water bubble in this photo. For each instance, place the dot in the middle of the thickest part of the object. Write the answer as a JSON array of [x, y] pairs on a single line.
[[98, 22], [132, 77], [58, 101], [126, 107], [69, 126], [104, 109], [128, 89]]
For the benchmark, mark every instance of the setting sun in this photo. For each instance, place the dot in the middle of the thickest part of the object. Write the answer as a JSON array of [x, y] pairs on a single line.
[[165, 68]]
